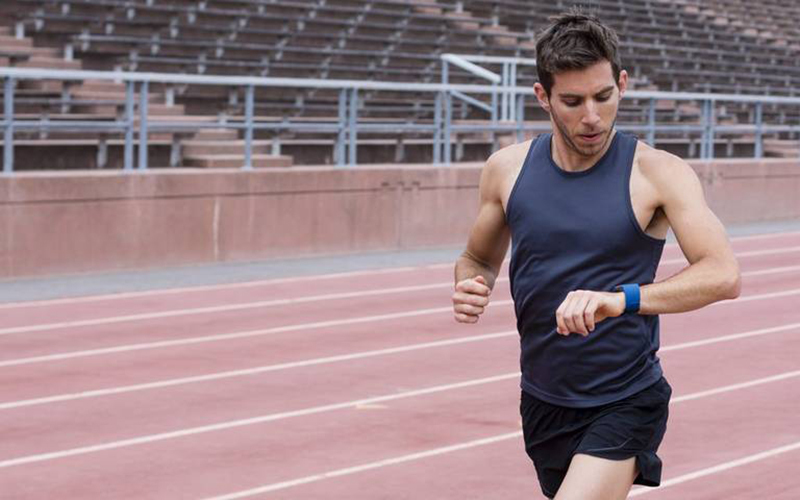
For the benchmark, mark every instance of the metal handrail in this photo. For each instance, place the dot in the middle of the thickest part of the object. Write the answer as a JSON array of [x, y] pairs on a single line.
[[347, 126]]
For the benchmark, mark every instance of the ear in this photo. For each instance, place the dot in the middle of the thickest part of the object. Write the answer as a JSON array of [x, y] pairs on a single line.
[[541, 95], [623, 82]]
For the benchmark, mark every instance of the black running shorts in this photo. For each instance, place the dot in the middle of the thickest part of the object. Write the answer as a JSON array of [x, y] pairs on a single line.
[[632, 427]]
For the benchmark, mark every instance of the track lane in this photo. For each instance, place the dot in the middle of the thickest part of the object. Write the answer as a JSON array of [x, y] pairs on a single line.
[[84, 374], [665, 357], [692, 374], [17, 315]]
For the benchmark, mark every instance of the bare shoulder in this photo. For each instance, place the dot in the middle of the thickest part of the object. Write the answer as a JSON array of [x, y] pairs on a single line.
[[503, 167], [656, 164], [664, 172]]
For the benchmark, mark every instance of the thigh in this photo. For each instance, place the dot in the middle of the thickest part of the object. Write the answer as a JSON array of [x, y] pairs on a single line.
[[552, 435], [595, 478]]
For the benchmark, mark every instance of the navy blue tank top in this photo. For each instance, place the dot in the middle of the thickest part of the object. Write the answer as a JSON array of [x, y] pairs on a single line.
[[577, 231]]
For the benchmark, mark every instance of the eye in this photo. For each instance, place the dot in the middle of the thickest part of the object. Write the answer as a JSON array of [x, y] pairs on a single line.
[[571, 104], [604, 98]]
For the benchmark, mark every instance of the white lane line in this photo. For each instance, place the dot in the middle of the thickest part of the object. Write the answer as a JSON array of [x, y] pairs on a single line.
[[468, 444], [253, 371], [290, 328], [762, 296], [206, 288], [235, 335], [238, 335], [372, 465], [252, 333], [312, 298], [719, 468], [252, 421], [728, 338], [350, 404], [772, 270], [293, 279], [223, 308], [753, 253], [736, 387], [345, 357]]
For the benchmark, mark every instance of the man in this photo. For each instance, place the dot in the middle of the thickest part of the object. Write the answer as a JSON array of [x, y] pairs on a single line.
[[587, 209]]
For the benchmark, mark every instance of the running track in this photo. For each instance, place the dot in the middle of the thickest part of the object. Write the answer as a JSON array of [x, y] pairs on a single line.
[[361, 386]]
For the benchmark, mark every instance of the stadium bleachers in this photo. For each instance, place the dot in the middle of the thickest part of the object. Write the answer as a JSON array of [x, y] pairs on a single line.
[[690, 45]]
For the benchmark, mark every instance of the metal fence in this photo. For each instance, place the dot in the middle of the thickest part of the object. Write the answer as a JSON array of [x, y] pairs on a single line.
[[505, 109]]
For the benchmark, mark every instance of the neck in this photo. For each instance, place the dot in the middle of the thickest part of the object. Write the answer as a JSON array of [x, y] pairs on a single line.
[[570, 160]]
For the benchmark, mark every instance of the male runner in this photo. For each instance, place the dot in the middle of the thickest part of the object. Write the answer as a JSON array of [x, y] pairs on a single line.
[[587, 209]]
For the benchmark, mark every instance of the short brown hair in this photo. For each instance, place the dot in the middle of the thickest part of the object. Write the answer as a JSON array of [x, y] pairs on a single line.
[[575, 40]]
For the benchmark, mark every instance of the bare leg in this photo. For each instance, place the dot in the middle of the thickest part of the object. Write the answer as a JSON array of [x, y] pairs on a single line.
[[593, 478]]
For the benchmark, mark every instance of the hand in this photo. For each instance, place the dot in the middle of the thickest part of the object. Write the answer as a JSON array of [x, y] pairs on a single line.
[[470, 299], [582, 309]]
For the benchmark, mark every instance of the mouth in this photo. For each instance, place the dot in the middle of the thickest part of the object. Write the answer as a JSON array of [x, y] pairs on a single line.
[[591, 137]]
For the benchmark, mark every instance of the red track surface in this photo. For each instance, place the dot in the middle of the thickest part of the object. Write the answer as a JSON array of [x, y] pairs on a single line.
[[315, 388]]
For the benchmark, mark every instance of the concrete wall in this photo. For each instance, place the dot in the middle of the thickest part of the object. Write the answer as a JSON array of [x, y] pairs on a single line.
[[69, 222]]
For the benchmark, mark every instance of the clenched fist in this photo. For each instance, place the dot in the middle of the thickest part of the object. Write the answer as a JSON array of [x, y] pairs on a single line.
[[470, 299], [582, 309]]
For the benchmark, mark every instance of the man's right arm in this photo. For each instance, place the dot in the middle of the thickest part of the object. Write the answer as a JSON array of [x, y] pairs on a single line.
[[477, 268]]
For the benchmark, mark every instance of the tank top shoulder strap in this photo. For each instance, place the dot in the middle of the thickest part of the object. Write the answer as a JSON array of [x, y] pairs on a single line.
[[534, 150]]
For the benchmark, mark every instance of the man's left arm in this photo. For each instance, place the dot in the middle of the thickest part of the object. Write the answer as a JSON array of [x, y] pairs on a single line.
[[712, 274]]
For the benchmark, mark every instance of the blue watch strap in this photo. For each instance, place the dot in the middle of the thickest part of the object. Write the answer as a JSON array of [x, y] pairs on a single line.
[[632, 297]]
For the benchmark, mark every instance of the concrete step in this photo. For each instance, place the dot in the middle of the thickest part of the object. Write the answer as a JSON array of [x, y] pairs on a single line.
[[164, 110], [113, 95], [119, 108], [233, 147], [54, 86], [48, 63], [102, 86], [216, 135], [47, 52], [237, 161], [11, 42], [781, 148]]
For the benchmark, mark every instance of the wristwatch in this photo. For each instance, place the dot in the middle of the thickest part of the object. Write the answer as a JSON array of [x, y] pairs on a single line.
[[632, 296]]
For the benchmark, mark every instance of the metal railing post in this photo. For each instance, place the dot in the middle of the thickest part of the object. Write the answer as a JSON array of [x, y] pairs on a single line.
[[512, 98], [704, 137], [651, 123], [437, 128], [249, 109], [520, 115], [447, 107], [143, 98], [494, 104], [447, 143], [504, 96], [8, 133], [352, 127], [130, 98], [711, 126], [759, 118], [341, 134]]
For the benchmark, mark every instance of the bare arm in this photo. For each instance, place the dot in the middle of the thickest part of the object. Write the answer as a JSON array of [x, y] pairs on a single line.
[[477, 268], [713, 272]]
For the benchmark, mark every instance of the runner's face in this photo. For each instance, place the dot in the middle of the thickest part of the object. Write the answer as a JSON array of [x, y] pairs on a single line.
[[583, 105]]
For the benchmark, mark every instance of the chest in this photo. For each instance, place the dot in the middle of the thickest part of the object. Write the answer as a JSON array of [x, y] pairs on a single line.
[[643, 201]]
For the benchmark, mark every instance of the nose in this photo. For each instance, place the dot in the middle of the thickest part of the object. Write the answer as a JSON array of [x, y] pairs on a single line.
[[591, 117]]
